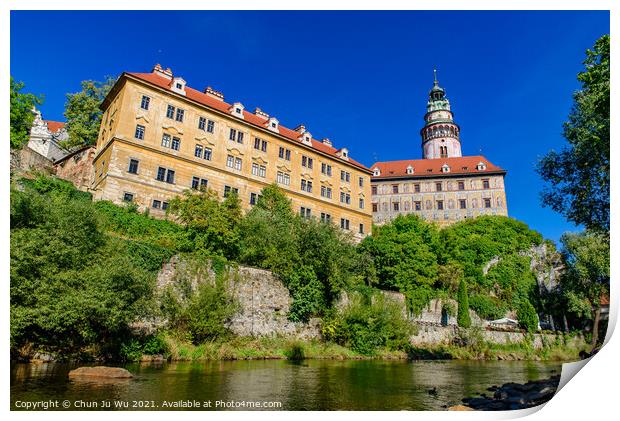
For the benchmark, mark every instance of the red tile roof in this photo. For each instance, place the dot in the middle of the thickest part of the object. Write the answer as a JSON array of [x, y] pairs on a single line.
[[432, 167], [251, 118], [54, 126]]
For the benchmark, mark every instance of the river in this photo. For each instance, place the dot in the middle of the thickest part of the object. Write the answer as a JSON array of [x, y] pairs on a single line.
[[280, 384]]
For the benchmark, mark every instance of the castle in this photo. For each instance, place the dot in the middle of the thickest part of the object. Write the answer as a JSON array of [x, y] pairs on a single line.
[[444, 186], [159, 137]]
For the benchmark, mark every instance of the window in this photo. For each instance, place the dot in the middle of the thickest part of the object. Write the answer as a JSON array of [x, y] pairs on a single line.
[[240, 137], [306, 162], [361, 230], [233, 134], [164, 205], [361, 203], [344, 223], [170, 177], [199, 183], [326, 169], [176, 143], [345, 176], [284, 178], [165, 140], [230, 161], [487, 203], [210, 126], [440, 205], [228, 190], [485, 184], [170, 111], [361, 181], [253, 197], [284, 153], [133, 166], [373, 190], [438, 187], [396, 206], [260, 144], [156, 204], [395, 188], [326, 192], [443, 151], [161, 174], [326, 217], [304, 212], [306, 186], [202, 123], [461, 185], [128, 197], [462, 204], [416, 188], [238, 164], [144, 104], [375, 207], [259, 170], [198, 151], [179, 86], [417, 205], [345, 198], [208, 154], [180, 114], [139, 132]]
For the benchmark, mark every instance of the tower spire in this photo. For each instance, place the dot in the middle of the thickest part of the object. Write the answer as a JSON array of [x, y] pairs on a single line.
[[435, 77]]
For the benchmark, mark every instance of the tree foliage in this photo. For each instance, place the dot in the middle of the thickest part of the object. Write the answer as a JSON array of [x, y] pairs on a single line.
[[526, 314], [578, 176], [71, 285], [212, 225], [22, 116], [83, 114], [463, 319]]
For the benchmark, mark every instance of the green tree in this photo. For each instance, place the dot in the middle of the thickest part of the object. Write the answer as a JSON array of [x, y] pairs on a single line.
[[578, 176], [83, 113], [528, 319], [22, 116], [462, 318], [212, 225], [586, 278]]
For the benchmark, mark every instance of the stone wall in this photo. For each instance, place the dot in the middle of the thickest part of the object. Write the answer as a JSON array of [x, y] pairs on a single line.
[[77, 168], [25, 159], [264, 302]]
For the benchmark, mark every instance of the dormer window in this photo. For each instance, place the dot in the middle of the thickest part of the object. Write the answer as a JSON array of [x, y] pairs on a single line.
[[178, 85], [343, 153], [376, 172], [481, 166], [237, 109], [273, 124], [306, 138], [409, 169], [445, 168]]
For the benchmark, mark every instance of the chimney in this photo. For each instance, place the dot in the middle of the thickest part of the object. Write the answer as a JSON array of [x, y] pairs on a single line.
[[327, 142], [301, 129], [261, 113], [214, 94], [158, 70]]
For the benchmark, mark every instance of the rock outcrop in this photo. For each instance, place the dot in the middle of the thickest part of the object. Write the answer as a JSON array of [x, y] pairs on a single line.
[[100, 372], [515, 396]]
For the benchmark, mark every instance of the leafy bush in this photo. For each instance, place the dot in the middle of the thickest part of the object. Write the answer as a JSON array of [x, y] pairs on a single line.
[[487, 307], [368, 324], [463, 319], [528, 319]]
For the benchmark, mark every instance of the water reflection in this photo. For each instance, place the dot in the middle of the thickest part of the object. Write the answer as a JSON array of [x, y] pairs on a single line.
[[312, 385]]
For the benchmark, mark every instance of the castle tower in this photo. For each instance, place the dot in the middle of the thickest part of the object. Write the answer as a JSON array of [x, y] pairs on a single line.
[[440, 134]]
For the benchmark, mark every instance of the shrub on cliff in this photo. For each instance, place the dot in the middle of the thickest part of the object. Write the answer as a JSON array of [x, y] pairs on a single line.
[[368, 323], [462, 317], [526, 314]]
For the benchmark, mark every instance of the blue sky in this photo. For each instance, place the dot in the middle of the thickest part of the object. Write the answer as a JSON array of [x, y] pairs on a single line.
[[359, 78]]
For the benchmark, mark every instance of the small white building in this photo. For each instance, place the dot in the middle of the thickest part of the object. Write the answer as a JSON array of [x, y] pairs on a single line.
[[45, 137]]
